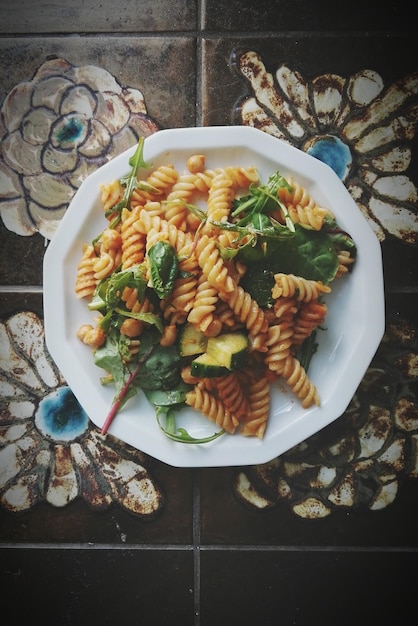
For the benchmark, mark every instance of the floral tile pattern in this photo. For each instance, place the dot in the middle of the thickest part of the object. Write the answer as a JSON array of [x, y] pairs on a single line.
[[59, 127], [121, 533], [49, 449], [360, 128]]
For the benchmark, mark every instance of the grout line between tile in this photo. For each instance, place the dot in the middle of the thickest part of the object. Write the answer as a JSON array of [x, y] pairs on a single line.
[[196, 547], [205, 548]]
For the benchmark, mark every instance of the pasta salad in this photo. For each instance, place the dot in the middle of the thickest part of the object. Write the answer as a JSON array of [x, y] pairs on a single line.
[[208, 288]]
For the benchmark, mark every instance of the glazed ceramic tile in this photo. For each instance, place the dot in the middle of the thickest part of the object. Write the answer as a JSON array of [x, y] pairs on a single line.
[[300, 587], [20, 258], [359, 463], [25, 16], [295, 17], [359, 116], [69, 108], [100, 586], [52, 455]]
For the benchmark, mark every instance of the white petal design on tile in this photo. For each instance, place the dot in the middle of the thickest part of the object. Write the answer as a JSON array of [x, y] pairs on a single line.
[[22, 157], [253, 115], [27, 332], [79, 98], [296, 90], [327, 92], [343, 494], [112, 111], [262, 84], [16, 105], [49, 449], [97, 141], [356, 124], [48, 191], [60, 126], [385, 496], [9, 182], [130, 483], [364, 87], [12, 364], [50, 91], [311, 508], [397, 221], [36, 125], [398, 159], [56, 161], [397, 188], [63, 486]]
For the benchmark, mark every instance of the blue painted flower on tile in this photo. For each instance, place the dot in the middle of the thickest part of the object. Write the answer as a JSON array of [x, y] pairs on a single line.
[[359, 127], [55, 129], [49, 449]]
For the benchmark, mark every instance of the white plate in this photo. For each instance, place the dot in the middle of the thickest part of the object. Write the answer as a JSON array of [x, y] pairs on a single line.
[[355, 319]]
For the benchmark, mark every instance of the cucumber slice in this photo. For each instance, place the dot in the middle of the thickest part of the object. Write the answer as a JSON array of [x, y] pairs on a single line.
[[229, 349], [207, 366], [192, 341]]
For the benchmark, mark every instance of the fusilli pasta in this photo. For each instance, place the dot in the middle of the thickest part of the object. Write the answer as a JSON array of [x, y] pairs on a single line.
[[208, 291]]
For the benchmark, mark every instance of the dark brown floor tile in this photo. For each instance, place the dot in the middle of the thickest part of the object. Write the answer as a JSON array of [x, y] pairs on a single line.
[[101, 509], [238, 74], [126, 16], [116, 76], [98, 586], [227, 521], [268, 511], [77, 522], [156, 66], [279, 15], [21, 258], [306, 588]]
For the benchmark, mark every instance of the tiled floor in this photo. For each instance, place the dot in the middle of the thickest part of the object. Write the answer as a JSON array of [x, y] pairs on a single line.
[[219, 544]]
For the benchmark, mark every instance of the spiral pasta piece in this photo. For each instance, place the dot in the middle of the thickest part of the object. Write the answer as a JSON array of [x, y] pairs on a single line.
[[279, 342], [313, 216], [302, 289], [259, 401], [86, 282], [212, 407], [299, 382], [345, 261], [242, 177], [230, 391], [246, 309], [159, 182], [310, 315], [219, 201], [176, 210], [212, 265], [296, 195], [133, 241], [285, 308], [111, 193], [204, 304]]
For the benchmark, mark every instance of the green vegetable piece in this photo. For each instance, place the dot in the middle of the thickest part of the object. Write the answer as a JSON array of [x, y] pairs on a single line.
[[192, 341], [229, 349], [161, 370], [130, 181], [207, 366], [164, 267], [179, 434]]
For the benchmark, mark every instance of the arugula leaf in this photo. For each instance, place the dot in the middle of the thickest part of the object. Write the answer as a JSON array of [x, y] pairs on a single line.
[[262, 198], [179, 434], [130, 182], [108, 292]]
